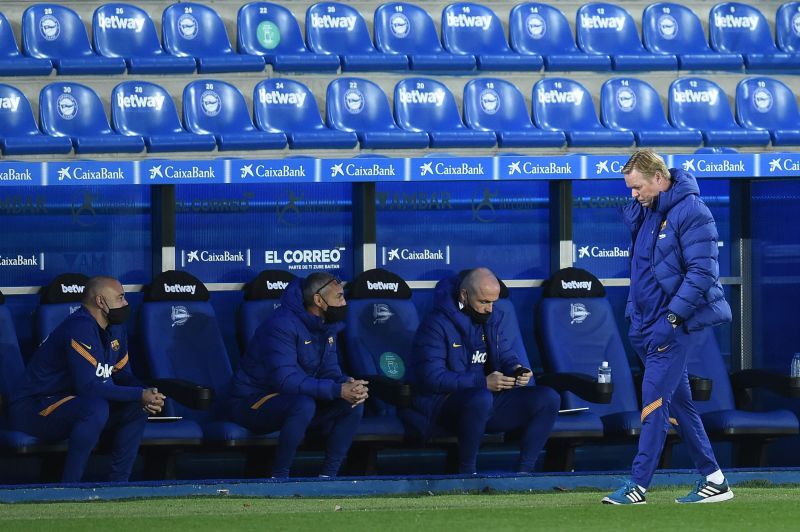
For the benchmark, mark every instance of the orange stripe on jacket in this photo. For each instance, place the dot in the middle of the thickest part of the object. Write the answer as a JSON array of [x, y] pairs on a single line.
[[49, 410], [646, 411], [82, 351], [263, 400], [121, 364]]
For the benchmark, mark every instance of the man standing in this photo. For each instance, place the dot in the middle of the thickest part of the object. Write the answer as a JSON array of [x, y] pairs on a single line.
[[467, 377], [675, 292], [79, 383], [290, 379]]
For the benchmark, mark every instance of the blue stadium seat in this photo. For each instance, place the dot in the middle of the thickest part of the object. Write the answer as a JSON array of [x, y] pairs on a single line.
[[19, 133], [13, 63], [767, 103], [218, 108], [360, 106], [787, 27], [604, 28], [741, 28], [669, 28], [336, 28], [288, 106], [126, 31], [474, 29], [403, 28], [492, 104], [194, 30], [271, 31], [75, 111], [262, 297], [144, 109], [560, 104], [422, 104], [697, 103], [56, 32], [540, 29], [630, 104], [57, 300]]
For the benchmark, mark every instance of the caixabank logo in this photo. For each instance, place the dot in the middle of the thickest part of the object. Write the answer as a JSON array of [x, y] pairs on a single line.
[[715, 165], [363, 169], [391, 255], [88, 172], [456, 167], [170, 171], [294, 169], [785, 164], [536, 166], [33, 260], [17, 173], [194, 257], [603, 167]]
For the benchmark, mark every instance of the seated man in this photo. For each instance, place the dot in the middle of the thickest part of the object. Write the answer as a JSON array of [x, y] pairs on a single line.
[[469, 380], [290, 379], [79, 383]]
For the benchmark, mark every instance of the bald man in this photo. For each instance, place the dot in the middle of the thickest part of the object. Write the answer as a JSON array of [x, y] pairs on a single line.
[[468, 378], [79, 384]]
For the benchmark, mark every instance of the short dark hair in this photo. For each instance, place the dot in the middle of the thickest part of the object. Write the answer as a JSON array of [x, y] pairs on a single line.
[[313, 284]]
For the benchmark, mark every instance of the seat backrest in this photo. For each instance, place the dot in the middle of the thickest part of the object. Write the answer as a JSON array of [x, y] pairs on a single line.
[[739, 28], [264, 28], [71, 110], [670, 28], [337, 28], [8, 44], [285, 105], [54, 31], [536, 28], [124, 30], [577, 332], [16, 114], [705, 360], [57, 300], [424, 104], [787, 27], [563, 104], [356, 104], [766, 103], [194, 30], [143, 108], [469, 28], [631, 104], [603, 28], [215, 107], [404, 28], [493, 104], [11, 365], [697, 103], [262, 297]]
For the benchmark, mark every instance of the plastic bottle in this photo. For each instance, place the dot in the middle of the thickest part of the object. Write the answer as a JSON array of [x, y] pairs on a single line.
[[604, 373], [795, 368]]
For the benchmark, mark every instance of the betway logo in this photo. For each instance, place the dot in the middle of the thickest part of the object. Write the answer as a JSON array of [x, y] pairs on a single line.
[[462, 20], [576, 285], [115, 22], [733, 22], [380, 285], [179, 288], [137, 101], [417, 96], [596, 22], [327, 21], [11, 103], [15, 175], [709, 96], [276, 97], [574, 96], [277, 285], [72, 289]]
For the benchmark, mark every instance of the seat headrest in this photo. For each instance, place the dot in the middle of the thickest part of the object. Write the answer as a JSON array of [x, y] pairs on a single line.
[[2, 298], [174, 285], [378, 283], [503, 287], [573, 282], [65, 288], [269, 284]]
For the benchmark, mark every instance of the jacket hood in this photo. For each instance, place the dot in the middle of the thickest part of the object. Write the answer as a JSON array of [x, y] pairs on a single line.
[[683, 184], [292, 300]]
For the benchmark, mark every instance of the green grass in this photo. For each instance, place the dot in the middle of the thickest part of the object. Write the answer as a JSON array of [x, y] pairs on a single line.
[[775, 508]]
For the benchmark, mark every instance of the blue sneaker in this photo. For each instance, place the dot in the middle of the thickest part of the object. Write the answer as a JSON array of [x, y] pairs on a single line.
[[706, 491], [629, 493]]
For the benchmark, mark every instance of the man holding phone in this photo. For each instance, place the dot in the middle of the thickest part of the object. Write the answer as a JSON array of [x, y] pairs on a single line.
[[468, 378]]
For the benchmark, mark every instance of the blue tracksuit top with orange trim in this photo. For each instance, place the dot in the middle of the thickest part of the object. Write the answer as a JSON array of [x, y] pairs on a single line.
[[81, 358]]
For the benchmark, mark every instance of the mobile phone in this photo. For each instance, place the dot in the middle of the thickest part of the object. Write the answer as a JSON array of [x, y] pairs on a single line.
[[519, 371]]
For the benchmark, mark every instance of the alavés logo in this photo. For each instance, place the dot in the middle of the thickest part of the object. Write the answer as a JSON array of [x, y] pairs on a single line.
[[380, 286], [489, 101], [306, 259], [332, 22], [188, 26], [709, 96], [363, 170], [578, 313], [399, 25], [179, 315], [180, 288], [277, 97], [667, 26], [535, 26], [729, 21], [534, 168], [116, 22], [465, 20], [574, 96], [10, 103], [171, 172], [210, 103], [11, 174], [598, 22], [198, 255], [67, 106], [140, 102], [762, 99], [626, 99], [27, 260], [381, 313], [435, 97], [417, 254], [703, 165], [454, 169], [49, 27], [260, 170], [79, 173], [796, 24], [598, 252], [354, 101]]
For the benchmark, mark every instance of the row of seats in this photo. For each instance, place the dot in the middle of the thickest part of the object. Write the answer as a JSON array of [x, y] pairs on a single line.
[[216, 114], [336, 35]]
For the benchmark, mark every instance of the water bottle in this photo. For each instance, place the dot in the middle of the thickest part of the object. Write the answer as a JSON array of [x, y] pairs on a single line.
[[795, 371], [604, 373]]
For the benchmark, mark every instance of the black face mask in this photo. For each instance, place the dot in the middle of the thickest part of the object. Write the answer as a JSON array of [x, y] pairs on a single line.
[[117, 316], [476, 317], [335, 314]]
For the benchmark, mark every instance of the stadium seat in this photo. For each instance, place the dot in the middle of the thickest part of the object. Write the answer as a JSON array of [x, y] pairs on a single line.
[[286, 106], [787, 27], [194, 30], [422, 104], [360, 106], [561, 104], [336, 28], [403, 28], [492, 104], [474, 29], [13, 63], [126, 31], [218, 108], [630, 104], [75, 111], [57, 300], [19, 133], [609, 29], [540, 29], [271, 31], [741, 28], [56, 32], [144, 109], [669, 28], [697, 103], [262, 296], [766, 103]]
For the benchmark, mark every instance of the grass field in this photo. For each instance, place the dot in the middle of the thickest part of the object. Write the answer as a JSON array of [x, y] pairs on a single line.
[[774, 508]]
